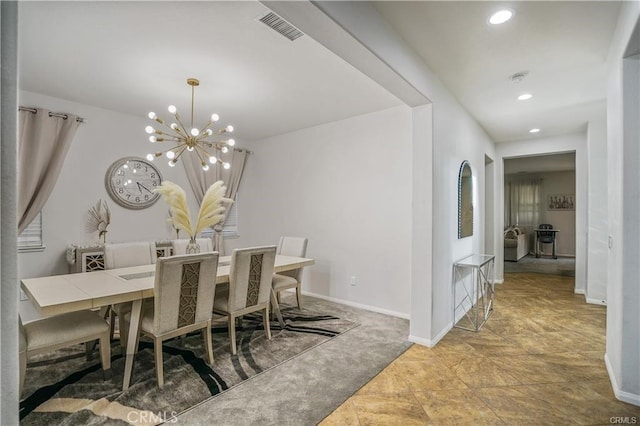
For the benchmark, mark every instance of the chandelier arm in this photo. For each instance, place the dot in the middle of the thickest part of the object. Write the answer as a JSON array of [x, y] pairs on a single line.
[[175, 132], [202, 161], [198, 147], [184, 129], [175, 159]]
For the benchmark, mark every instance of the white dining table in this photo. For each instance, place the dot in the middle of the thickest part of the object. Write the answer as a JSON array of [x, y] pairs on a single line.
[[58, 294]]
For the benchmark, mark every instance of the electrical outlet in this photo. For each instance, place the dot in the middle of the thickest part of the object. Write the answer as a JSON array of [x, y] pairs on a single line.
[[353, 280]]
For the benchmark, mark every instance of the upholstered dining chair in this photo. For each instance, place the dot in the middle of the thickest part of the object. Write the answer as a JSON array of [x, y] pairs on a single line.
[[180, 246], [122, 255], [183, 293], [249, 288], [60, 331], [290, 246]]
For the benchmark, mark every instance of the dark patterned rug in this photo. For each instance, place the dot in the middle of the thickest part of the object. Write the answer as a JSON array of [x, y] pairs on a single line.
[[63, 388]]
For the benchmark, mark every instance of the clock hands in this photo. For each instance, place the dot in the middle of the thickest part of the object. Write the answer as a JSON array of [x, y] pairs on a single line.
[[141, 186]]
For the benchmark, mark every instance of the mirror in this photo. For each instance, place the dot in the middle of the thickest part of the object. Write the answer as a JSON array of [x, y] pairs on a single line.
[[465, 201]]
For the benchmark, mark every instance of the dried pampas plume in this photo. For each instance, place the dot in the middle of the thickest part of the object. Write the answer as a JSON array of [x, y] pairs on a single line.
[[211, 210], [99, 219]]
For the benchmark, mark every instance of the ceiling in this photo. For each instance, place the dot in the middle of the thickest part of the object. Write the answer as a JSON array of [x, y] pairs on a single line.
[[135, 57], [561, 44]]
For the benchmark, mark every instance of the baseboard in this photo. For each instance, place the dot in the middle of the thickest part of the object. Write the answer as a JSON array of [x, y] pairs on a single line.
[[579, 291], [596, 301], [359, 305], [501, 281], [627, 397], [430, 342]]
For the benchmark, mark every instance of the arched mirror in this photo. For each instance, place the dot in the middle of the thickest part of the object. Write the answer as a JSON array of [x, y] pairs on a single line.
[[465, 201]]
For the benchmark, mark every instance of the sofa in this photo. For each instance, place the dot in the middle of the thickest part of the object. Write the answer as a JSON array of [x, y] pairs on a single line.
[[516, 244]]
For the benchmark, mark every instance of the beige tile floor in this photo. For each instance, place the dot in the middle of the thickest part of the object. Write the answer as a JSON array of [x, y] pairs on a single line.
[[537, 361]]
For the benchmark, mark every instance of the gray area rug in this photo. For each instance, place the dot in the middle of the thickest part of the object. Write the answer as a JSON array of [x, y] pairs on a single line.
[[66, 389], [307, 388], [565, 266]]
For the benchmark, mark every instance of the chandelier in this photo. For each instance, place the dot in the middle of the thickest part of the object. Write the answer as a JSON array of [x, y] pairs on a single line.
[[198, 141]]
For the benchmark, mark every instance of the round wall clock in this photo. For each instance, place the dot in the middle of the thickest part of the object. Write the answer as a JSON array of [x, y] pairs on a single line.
[[130, 182]]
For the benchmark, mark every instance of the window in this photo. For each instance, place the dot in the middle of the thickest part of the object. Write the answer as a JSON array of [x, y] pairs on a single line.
[[230, 228], [31, 238]]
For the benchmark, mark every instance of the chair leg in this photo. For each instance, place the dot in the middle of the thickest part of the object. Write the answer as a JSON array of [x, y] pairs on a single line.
[[124, 332], [105, 355], [299, 295], [278, 297], [112, 323], [23, 371], [232, 334], [157, 348], [208, 344], [267, 324]]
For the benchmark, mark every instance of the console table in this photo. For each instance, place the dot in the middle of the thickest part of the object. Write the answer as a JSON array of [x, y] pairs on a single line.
[[475, 275]]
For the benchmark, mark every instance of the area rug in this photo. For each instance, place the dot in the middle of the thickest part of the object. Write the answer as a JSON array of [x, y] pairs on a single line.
[[63, 388]]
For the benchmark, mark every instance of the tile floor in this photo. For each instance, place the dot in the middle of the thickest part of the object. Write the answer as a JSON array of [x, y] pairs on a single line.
[[538, 360]]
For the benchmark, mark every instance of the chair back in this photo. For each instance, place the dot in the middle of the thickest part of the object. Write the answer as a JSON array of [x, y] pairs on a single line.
[[183, 290], [546, 237], [292, 246], [122, 255], [180, 246], [250, 276]]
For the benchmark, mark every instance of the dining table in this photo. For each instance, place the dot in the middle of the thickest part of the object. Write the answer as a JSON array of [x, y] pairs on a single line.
[[59, 294]]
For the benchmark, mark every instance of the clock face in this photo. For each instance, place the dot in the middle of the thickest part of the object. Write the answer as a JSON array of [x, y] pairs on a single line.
[[130, 182]]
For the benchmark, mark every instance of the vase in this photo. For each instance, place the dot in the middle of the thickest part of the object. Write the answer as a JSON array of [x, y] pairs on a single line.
[[192, 246]]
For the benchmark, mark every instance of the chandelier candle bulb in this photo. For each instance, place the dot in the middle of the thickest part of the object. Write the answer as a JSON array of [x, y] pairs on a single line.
[[192, 138]]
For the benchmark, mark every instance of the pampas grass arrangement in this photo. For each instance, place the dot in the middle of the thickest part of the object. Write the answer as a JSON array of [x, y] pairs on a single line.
[[99, 219], [211, 209]]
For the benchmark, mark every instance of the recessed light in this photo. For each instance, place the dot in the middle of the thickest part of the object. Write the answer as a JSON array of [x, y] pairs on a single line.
[[501, 16], [534, 130], [525, 96]]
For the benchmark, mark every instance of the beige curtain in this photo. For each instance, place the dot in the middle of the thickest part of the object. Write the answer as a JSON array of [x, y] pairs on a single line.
[[44, 140], [200, 180], [523, 203]]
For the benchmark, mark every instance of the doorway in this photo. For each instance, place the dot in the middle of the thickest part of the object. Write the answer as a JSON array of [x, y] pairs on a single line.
[[540, 190]]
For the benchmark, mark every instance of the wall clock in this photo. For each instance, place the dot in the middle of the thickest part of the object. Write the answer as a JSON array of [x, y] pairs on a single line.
[[130, 182]]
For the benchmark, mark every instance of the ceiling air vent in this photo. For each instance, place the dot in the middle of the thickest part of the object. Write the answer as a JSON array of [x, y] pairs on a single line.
[[281, 26]]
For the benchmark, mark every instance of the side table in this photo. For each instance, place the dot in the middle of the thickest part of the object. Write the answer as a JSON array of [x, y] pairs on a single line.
[[473, 301]]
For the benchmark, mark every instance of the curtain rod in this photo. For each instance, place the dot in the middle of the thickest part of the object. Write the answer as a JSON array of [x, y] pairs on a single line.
[[243, 149], [53, 114]]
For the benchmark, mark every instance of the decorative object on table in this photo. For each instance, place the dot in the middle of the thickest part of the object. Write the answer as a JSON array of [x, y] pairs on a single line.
[[99, 219], [210, 214], [170, 220], [198, 140], [561, 202], [130, 182], [66, 388]]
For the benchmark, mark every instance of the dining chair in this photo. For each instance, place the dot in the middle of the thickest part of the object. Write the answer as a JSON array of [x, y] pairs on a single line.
[[290, 246], [61, 331], [183, 294], [122, 255], [180, 246], [249, 288], [546, 238]]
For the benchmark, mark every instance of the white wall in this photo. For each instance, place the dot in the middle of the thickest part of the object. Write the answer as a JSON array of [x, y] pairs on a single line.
[[598, 211], [455, 137], [564, 221], [346, 186], [623, 319], [105, 137], [558, 144]]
